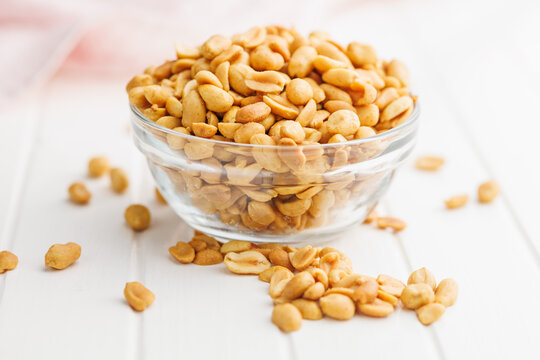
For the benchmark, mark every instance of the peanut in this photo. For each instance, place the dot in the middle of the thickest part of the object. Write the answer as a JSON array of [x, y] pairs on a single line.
[[422, 276], [337, 306], [456, 201], [390, 222], [430, 313], [254, 112], [138, 217], [309, 309], [98, 166], [138, 296], [488, 191], [287, 317], [8, 261], [208, 257], [446, 292], [247, 262], [78, 193], [429, 163], [417, 295], [296, 286], [60, 256], [235, 246], [303, 257], [182, 252], [378, 308], [119, 180]]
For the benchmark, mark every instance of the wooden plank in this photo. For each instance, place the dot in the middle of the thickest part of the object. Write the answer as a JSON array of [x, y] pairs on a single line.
[[78, 312]]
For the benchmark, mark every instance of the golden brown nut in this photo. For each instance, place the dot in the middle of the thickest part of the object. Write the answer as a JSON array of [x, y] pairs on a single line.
[[78, 193], [60, 256], [138, 217], [138, 296], [8, 261]]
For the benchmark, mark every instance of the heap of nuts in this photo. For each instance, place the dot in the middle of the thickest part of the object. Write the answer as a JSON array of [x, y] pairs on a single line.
[[312, 282], [272, 86]]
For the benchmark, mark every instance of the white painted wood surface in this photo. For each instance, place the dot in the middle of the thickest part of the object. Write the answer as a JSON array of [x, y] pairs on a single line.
[[474, 65]]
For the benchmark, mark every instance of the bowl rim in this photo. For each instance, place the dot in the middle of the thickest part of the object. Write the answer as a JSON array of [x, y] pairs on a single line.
[[407, 124]]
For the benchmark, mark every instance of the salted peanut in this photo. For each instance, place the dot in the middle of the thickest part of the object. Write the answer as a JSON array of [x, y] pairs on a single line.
[[398, 69], [155, 94], [60, 256], [364, 132], [294, 207], [198, 244], [321, 202], [362, 93], [242, 175], [214, 46], [217, 194], [397, 108], [142, 80], [280, 257], [337, 306], [98, 166], [287, 317], [78, 193], [324, 63], [215, 98], [330, 50], [336, 105], [267, 158], [429, 163], [385, 97], [456, 201], [309, 309], [235, 246], [8, 261], [301, 61], [174, 107], [299, 92], [292, 130], [390, 222], [138, 296], [263, 58], [184, 51], [340, 77], [303, 257], [315, 291], [246, 131], [154, 113], [170, 122], [247, 262], [194, 109], [389, 298], [261, 213], [222, 74], [307, 114], [430, 313], [318, 274], [368, 114], [207, 77], [366, 292], [208, 257], [228, 129], [251, 38], [390, 285], [378, 308], [361, 54], [343, 122], [318, 92], [177, 142], [446, 292], [422, 276], [119, 180], [204, 130], [337, 138], [281, 106], [267, 274], [198, 150], [296, 286], [237, 78], [138, 217], [255, 112], [280, 278], [265, 81], [335, 93], [417, 295], [183, 252], [488, 191], [136, 98]]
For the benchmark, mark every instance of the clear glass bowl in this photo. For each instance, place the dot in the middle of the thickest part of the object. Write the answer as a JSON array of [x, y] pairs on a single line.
[[282, 194]]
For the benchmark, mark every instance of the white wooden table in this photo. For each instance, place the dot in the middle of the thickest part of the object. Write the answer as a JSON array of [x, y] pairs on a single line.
[[475, 67]]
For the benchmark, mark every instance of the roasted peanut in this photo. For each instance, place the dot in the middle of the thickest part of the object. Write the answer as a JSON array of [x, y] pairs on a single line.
[[446, 292], [280, 257], [138, 296], [456, 201], [247, 262], [488, 191], [98, 166], [78, 193], [315, 291], [390, 285], [182, 252], [119, 180], [429, 163], [337, 306], [235, 246], [208, 257], [366, 292], [299, 92], [378, 308], [8, 261], [422, 276], [296, 286], [60, 256], [267, 274], [309, 309], [430, 313], [417, 295], [391, 222], [138, 217], [303, 257], [287, 317]]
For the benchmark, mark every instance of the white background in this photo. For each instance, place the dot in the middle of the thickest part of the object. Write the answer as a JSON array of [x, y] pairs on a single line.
[[475, 67]]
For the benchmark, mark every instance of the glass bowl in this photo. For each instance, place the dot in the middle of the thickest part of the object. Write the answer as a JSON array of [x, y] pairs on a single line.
[[261, 193]]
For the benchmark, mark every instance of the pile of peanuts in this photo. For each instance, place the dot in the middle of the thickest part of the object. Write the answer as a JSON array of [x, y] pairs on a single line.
[[313, 282], [487, 191], [272, 86]]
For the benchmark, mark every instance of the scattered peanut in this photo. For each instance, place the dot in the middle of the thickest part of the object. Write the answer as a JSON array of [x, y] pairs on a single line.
[[287, 317], [417, 295], [457, 201], [337, 306], [182, 252], [8, 261], [138, 217], [390, 222], [79, 194], [247, 262], [430, 313], [488, 191], [446, 292], [422, 276], [138, 296], [119, 180], [98, 166], [429, 163], [208, 257], [60, 256]]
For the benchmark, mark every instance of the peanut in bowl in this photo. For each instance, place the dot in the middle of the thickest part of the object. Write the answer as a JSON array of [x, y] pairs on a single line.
[[272, 137]]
